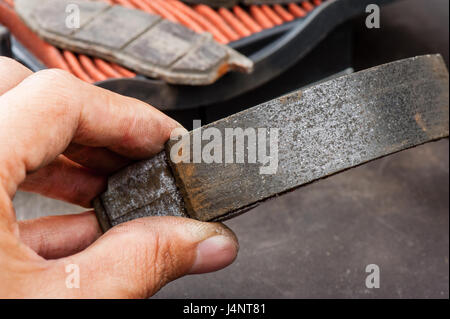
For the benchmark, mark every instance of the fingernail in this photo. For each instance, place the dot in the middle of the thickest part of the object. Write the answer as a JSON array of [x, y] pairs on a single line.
[[214, 253]]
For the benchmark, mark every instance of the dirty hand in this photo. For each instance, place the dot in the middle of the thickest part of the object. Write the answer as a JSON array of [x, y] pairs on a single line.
[[59, 137]]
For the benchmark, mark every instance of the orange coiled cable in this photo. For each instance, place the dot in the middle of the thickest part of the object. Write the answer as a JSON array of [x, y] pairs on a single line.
[[90, 68], [234, 22], [75, 66], [246, 19], [106, 68], [163, 12], [307, 6], [217, 20], [124, 3], [296, 10], [225, 25], [272, 15], [181, 17], [125, 72], [283, 13], [205, 23], [44, 52], [259, 16], [143, 6]]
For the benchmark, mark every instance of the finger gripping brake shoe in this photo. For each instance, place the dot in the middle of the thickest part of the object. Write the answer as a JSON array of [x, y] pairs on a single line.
[[320, 131]]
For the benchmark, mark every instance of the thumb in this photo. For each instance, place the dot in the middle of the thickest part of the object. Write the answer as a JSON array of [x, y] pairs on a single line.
[[136, 259]]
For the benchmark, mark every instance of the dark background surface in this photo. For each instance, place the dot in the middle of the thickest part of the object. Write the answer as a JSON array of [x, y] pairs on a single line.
[[317, 241], [393, 212]]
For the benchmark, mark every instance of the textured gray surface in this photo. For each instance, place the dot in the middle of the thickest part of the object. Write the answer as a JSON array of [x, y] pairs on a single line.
[[143, 42], [50, 17], [146, 188]]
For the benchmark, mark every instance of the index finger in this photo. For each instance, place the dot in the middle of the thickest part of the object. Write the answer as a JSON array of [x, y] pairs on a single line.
[[43, 114]]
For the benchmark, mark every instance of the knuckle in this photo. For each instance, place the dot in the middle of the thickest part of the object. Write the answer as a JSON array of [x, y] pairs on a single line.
[[53, 76], [13, 72], [52, 90]]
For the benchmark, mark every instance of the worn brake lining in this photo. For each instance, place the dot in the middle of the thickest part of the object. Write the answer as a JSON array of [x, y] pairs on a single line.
[[322, 130], [143, 42]]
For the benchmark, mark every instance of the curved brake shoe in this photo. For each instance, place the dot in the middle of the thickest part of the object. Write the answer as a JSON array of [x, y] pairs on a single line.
[[321, 131], [143, 42]]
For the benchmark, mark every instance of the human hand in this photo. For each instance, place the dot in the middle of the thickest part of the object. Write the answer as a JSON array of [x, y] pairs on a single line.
[[60, 137]]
